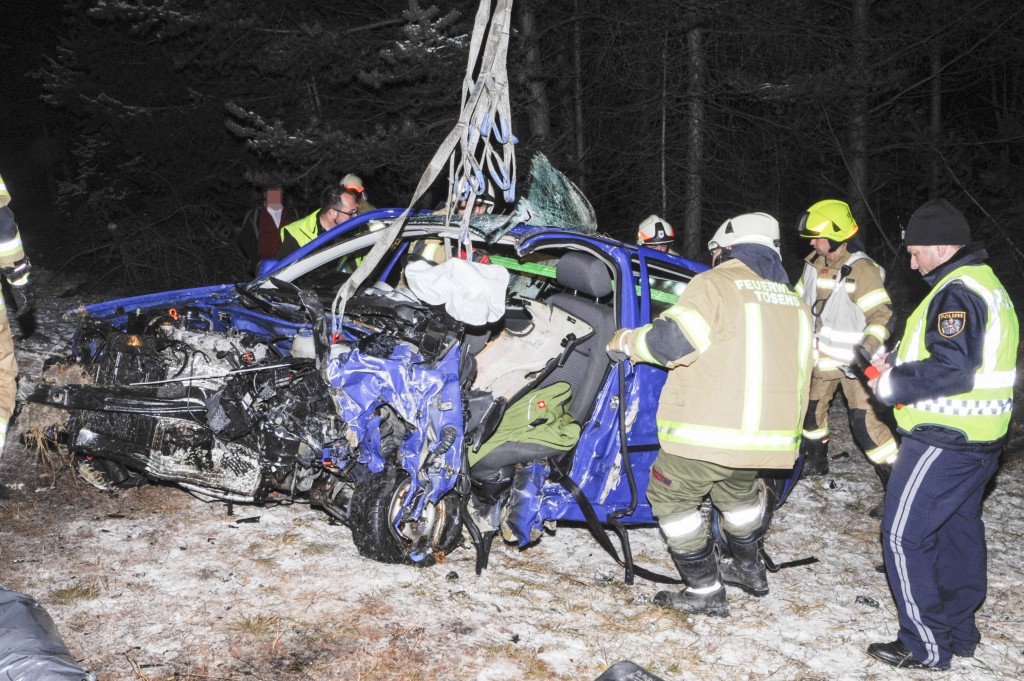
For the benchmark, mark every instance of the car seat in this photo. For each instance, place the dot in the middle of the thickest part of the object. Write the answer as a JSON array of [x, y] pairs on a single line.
[[584, 370], [585, 366]]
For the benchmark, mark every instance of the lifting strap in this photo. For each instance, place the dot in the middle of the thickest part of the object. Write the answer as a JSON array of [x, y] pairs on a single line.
[[486, 113], [561, 476]]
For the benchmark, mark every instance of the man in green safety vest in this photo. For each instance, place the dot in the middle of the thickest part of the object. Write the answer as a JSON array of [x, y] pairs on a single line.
[[951, 381], [337, 205]]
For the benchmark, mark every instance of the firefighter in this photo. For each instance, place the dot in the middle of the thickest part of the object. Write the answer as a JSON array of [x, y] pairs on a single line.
[[15, 267], [741, 328], [337, 206], [853, 318], [354, 184], [656, 233], [951, 381]]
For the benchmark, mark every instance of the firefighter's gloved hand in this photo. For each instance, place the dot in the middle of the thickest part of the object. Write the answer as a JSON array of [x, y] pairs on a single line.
[[861, 364], [617, 349]]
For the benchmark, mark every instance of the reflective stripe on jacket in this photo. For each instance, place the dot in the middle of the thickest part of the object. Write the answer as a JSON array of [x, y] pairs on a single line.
[[851, 306], [738, 399], [983, 413], [11, 249]]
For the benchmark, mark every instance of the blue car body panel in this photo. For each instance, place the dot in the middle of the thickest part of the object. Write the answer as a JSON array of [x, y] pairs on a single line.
[[429, 397]]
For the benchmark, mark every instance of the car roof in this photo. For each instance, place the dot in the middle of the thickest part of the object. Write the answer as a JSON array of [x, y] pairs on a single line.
[[486, 227]]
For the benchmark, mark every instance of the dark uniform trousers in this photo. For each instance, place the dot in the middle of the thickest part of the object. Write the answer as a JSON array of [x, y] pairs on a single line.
[[933, 540]]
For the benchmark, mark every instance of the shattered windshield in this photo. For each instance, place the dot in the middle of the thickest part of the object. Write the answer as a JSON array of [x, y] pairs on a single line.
[[553, 200]]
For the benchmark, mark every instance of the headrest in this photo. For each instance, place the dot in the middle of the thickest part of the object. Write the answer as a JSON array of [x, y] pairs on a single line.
[[584, 273]]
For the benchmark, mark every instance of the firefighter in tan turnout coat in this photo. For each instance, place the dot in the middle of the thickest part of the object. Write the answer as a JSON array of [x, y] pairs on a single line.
[[853, 317], [15, 267], [737, 345]]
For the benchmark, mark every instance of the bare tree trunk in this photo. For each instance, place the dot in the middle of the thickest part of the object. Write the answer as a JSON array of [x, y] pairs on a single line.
[[577, 99], [857, 190], [695, 130], [538, 108], [664, 124], [935, 118]]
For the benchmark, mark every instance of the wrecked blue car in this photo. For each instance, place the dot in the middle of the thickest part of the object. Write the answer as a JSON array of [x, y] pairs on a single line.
[[465, 384]]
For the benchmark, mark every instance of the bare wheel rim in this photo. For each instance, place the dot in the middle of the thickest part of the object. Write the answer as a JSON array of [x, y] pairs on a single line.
[[423, 535]]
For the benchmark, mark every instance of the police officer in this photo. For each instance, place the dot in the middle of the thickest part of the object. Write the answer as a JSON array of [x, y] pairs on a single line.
[[951, 381], [656, 233], [15, 267], [740, 328], [852, 318]]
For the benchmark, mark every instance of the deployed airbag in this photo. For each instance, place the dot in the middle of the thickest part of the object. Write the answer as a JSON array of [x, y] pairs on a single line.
[[471, 292]]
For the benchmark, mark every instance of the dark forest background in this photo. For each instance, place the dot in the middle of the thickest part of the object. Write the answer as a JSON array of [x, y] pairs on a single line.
[[164, 118]]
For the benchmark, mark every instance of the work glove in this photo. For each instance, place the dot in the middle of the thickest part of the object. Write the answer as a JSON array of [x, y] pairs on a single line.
[[855, 368], [617, 349], [861, 366]]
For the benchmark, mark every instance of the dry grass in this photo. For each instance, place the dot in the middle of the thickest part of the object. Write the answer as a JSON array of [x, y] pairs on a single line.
[[290, 538], [163, 500], [374, 604], [526, 657], [53, 461], [39, 440], [258, 626], [10, 511], [76, 593], [207, 572], [317, 548]]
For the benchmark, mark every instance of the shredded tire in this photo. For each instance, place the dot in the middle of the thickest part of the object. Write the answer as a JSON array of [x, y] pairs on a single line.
[[374, 505]]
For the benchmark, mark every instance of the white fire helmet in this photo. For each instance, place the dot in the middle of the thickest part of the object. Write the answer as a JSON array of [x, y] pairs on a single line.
[[749, 228], [654, 231]]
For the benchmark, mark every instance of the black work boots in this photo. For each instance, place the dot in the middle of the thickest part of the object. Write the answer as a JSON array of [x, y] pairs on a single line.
[[704, 593], [815, 457], [884, 470], [746, 569]]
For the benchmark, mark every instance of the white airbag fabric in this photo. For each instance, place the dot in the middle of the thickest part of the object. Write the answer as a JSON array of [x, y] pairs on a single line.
[[473, 293]]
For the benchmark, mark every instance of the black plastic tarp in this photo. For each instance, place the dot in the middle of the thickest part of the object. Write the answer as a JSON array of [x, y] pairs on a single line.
[[30, 647]]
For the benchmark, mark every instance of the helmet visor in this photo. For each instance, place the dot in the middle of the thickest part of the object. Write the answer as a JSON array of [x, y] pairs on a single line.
[[815, 225]]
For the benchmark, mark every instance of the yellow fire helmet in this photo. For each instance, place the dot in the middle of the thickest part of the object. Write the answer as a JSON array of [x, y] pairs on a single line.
[[829, 219]]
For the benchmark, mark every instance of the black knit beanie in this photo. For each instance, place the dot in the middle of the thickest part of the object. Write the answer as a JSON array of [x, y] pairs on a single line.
[[937, 223]]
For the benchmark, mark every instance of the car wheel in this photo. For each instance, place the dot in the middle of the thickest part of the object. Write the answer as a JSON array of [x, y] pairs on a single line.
[[377, 503]]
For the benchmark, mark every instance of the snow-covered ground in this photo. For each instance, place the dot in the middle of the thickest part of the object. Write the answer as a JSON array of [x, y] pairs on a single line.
[[155, 584]]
